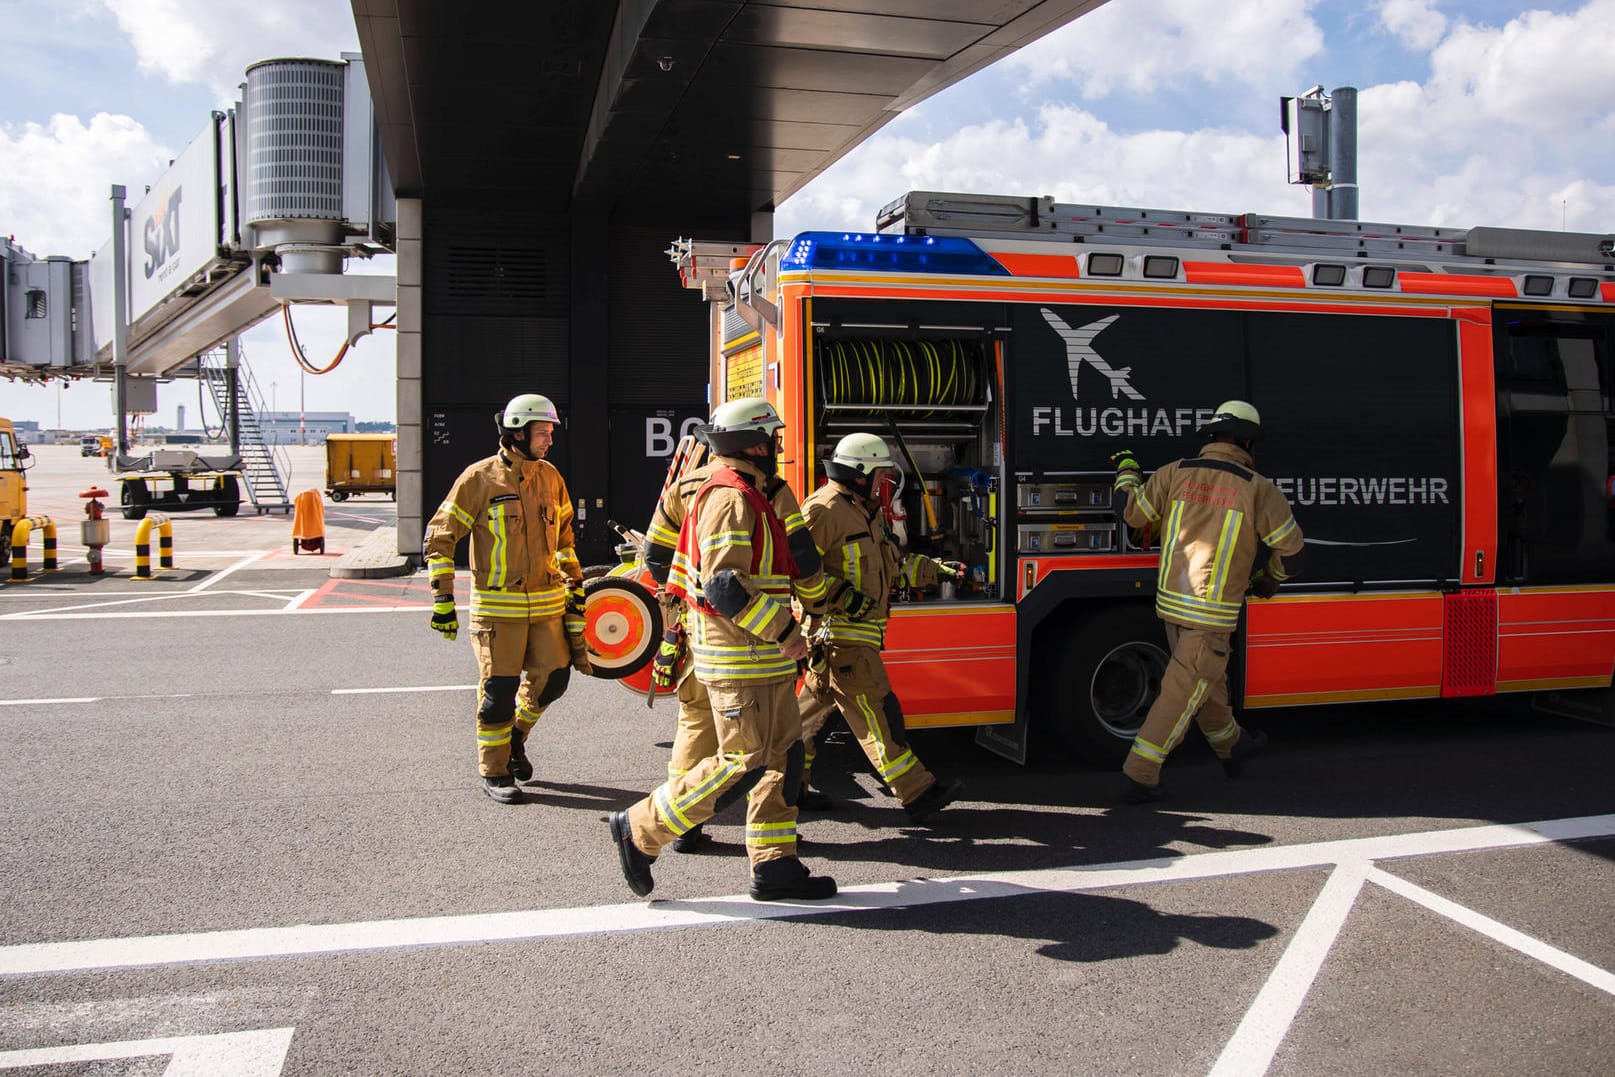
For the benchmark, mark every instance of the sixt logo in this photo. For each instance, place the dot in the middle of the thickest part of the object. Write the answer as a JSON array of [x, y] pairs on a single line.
[[162, 235], [1110, 422]]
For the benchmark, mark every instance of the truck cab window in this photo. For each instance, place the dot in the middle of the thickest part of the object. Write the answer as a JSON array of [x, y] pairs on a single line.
[[1558, 440]]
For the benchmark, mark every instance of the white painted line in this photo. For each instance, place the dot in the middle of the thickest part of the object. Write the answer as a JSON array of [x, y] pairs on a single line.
[[278, 612], [44, 702], [1250, 1052], [46, 958], [259, 1053], [416, 688], [297, 603], [1525, 944], [217, 576]]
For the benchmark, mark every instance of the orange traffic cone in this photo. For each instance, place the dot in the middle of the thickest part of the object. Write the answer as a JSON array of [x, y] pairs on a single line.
[[308, 523]]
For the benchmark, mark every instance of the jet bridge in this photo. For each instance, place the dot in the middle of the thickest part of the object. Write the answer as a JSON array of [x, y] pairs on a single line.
[[265, 206]]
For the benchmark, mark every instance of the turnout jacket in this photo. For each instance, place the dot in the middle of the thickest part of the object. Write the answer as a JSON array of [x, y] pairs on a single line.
[[737, 581], [662, 536], [519, 517], [859, 555], [1213, 513]]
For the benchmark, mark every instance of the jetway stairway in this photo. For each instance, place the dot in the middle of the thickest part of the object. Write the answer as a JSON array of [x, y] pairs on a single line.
[[265, 466]]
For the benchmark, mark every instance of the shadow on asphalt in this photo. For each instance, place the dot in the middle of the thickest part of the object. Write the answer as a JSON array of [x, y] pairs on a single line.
[[1071, 927]]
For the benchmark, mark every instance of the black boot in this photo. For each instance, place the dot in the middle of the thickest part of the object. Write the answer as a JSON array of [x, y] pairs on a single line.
[[689, 841], [502, 788], [789, 879], [813, 800], [520, 767], [635, 864], [1249, 743], [938, 795], [1136, 792]]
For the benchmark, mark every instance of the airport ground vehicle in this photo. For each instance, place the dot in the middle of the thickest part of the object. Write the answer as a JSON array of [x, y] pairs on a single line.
[[178, 480], [361, 464], [14, 460], [96, 445], [1438, 407]]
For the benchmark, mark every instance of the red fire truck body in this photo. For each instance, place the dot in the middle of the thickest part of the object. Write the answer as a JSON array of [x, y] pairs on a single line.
[[1437, 406]]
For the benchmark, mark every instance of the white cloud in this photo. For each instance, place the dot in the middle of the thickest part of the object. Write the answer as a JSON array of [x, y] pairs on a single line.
[[1143, 46], [55, 187], [1065, 152], [1416, 23], [212, 41]]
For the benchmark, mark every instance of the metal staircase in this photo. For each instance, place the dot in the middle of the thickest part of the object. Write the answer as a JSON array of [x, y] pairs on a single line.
[[265, 466]]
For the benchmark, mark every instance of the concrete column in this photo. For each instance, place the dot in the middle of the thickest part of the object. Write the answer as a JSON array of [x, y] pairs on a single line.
[[412, 511]]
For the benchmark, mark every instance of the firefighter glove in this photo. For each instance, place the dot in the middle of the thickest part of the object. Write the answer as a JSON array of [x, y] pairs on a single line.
[[1128, 473], [575, 598], [857, 604], [666, 664], [580, 653], [1263, 585], [444, 619]]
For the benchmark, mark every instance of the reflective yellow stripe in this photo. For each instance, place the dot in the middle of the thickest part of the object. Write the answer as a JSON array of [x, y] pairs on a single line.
[[770, 833], [497, 562], [1169, 541], [1144, 506], [1224, 554], [1225, 733], [1223, 616], [852, 566], [458, 513], [520, 605], [844, 630], [1278, 534], [660, 535], [1196, 697]]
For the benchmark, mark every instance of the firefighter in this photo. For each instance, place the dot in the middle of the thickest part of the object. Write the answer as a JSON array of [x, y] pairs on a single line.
[[695, 738], [1225, 531], [733, 568], [526, 587], [862, 564]]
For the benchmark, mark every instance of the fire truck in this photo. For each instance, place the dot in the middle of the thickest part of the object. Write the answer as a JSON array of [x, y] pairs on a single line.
[[1437, 408]]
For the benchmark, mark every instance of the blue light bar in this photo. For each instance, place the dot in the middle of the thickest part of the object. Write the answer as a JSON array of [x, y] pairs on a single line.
[[889, 253]]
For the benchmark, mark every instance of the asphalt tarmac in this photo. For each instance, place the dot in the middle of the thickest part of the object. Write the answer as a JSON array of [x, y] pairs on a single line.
[[244, 835]]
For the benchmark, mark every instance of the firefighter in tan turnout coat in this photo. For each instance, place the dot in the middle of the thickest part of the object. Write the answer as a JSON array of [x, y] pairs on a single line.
[[695, 737], [734, 569], [1214, 514], [862, 564], [526, 587]]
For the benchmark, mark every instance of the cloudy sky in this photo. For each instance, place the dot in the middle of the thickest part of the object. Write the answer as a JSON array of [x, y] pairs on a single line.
[[1469, 112]]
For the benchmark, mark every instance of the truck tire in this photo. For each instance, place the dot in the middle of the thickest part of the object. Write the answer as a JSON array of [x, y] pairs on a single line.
[[230, 492], [339, 496], [1101, 681], [135, 498]]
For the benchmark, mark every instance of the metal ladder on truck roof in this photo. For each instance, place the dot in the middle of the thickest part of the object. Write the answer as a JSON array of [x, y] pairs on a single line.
[[1041, 217]]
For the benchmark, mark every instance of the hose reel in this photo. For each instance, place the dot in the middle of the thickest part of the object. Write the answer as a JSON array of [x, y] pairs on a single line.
[[920, 379]]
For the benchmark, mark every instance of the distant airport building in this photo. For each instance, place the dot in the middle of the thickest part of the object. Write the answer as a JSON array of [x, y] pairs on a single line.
[[309, 427]]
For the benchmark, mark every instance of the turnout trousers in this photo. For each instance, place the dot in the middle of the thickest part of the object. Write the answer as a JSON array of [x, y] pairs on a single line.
[[695, 737], [755, 726], [522, 668], [854, 682], [1195, 686]]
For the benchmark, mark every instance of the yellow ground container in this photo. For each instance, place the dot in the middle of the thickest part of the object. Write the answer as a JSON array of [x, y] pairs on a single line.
[[361, 464]]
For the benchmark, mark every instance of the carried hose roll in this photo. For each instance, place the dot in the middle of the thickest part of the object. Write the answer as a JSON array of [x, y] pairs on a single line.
[[940, 374]]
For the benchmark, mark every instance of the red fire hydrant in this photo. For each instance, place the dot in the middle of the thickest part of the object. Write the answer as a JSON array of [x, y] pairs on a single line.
[[95, 530]]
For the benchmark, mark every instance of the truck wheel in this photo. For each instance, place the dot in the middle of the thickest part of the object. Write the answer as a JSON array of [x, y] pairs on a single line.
[[339, 496], [1104, 676], [231, 493], [134, 498]]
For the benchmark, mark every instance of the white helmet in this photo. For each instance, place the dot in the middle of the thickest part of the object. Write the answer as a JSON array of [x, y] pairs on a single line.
[[1234, 419], [858, 456], [739, 424], [524, 409]]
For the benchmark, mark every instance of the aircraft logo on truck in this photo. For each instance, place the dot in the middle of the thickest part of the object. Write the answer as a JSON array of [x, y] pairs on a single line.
[[1079, 349]]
